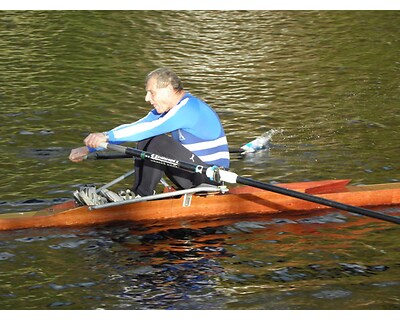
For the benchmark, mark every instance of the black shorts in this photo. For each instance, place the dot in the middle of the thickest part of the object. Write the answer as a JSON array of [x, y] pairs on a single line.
[[148, 174]]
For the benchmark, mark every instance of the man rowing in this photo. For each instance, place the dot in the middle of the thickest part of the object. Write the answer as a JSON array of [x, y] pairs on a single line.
[[180, 126]]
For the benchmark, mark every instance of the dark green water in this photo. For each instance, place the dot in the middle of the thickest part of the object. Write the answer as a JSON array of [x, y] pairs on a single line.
[[326, 81]]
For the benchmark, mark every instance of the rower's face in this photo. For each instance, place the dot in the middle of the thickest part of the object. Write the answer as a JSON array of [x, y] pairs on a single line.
[[159, 98]]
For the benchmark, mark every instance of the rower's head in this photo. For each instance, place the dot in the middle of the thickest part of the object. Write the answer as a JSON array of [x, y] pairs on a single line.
[[163, 89]]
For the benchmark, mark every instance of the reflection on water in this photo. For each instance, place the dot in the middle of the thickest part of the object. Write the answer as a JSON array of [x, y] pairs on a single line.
[[298, 262], [325, 81]]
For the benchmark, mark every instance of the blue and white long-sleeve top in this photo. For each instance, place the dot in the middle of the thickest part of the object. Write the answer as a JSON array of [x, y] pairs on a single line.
[[191, 122]]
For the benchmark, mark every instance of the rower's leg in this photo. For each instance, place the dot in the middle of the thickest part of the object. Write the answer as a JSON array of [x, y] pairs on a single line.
[[148, 173]]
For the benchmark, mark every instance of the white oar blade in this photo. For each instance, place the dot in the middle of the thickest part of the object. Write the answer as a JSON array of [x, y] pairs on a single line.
[[260, 143]]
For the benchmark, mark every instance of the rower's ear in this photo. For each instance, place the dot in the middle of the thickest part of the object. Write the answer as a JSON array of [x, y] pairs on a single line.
[[171, 88]]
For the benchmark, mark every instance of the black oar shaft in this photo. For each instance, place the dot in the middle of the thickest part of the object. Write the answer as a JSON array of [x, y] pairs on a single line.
[[140, 154], [231, 177], [105, 156], [315, 199]]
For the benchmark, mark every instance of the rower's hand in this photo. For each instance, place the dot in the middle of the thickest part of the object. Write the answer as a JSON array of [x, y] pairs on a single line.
[[93, 140], [78, 154]]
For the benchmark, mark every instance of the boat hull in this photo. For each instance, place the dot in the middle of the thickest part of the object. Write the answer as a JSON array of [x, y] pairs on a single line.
[[239, 201]]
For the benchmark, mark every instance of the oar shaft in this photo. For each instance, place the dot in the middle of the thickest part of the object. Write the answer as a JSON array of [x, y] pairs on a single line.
[[105, 156], [231, 177], [315, 199], [140, 154]]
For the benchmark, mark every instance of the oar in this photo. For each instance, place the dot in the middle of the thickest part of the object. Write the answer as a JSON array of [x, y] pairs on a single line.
[[105, 156], [259, 143], [218, 175]]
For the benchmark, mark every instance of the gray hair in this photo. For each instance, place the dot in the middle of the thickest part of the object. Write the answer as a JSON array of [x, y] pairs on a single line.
[[165, 77]]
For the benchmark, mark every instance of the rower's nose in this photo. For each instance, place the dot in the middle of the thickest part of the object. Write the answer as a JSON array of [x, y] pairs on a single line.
[[147, 98]]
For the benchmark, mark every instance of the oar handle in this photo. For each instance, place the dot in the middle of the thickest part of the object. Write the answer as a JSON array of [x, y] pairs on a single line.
[[104, 156]]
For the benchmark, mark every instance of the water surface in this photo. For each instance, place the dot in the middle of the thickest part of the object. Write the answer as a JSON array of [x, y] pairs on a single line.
[[327, 82]]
